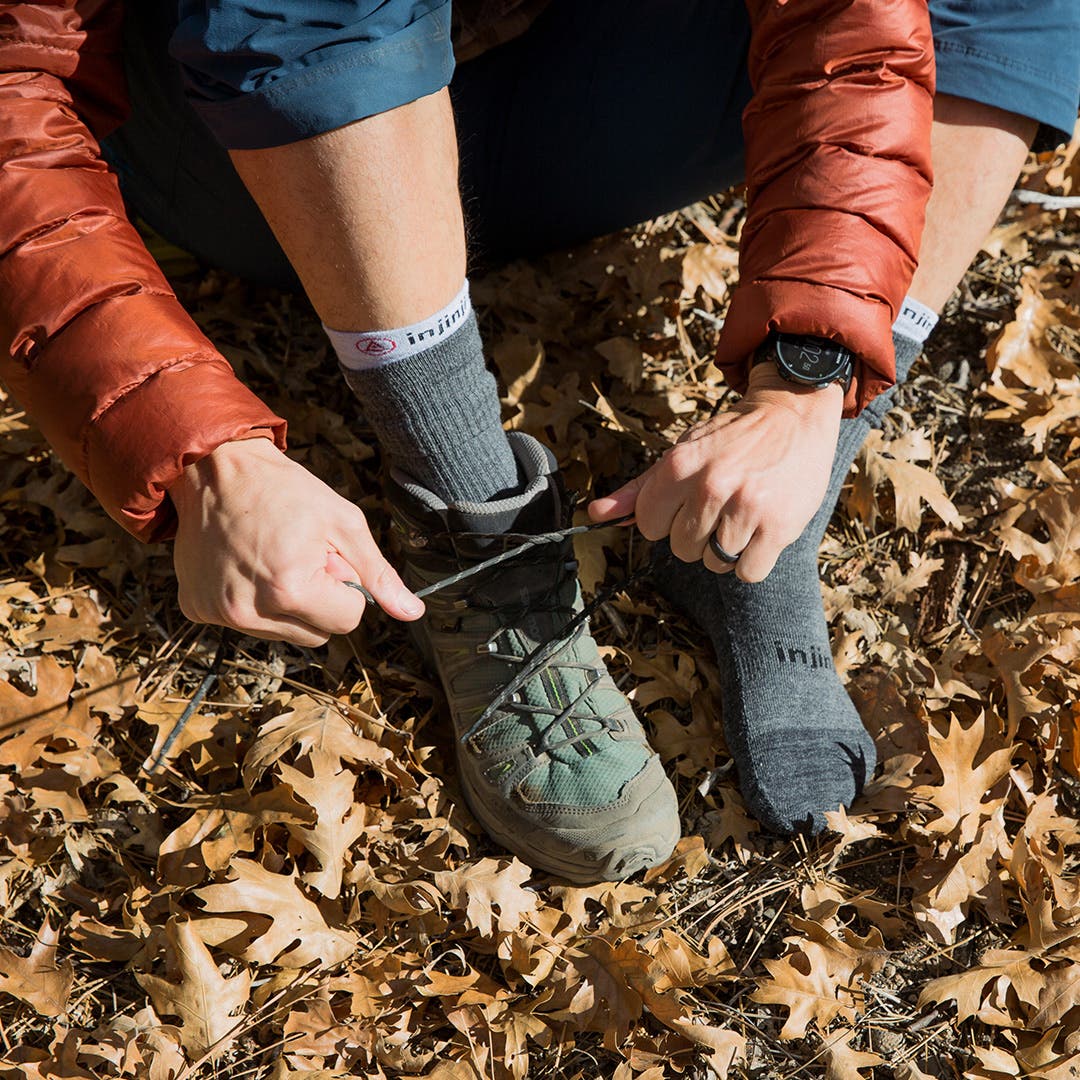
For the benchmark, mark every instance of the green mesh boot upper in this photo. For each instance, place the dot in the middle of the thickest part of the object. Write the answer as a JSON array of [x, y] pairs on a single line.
[[552, 759]]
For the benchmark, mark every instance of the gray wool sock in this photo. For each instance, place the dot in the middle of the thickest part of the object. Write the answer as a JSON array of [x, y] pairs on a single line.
[[436, 415], [798, 742]]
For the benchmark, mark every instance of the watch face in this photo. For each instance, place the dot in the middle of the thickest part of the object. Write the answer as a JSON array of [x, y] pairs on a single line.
[[811, 360]]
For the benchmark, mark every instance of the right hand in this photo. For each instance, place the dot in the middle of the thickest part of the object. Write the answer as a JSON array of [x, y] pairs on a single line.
[[263, 546]]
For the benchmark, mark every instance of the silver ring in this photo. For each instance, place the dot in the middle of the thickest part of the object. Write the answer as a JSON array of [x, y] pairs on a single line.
[[720, 553]]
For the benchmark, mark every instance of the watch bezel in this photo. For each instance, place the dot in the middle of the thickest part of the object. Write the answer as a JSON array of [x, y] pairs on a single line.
[[841, 371]]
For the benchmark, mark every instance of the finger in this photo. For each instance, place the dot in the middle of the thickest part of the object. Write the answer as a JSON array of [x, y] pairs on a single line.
[[280, 628], [713, 562], [618, 503], [690, 532], [291, 630], [734, 530], [759, 557], [359, 550]]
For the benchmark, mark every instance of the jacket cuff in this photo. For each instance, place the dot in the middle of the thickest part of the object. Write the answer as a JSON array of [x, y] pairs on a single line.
[[185, 412], [759, 308]]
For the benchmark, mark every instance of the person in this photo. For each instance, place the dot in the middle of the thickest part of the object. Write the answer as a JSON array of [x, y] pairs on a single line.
[[319, 141]]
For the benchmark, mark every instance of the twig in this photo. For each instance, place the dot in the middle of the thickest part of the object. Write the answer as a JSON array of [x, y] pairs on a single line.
[[1047, 201], [193, 705]]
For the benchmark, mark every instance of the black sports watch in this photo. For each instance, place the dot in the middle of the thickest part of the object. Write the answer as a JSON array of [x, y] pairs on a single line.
[[808, 361]]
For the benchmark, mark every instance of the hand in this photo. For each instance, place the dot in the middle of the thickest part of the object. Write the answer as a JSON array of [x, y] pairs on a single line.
[[755, 476], [263, 546]]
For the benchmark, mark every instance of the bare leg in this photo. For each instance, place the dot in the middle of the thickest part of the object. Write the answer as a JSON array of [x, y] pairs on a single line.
[[978, 152], [368, 214]]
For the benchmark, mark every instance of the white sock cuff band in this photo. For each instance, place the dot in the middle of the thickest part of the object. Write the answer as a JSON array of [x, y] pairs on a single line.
[[370, 348], [915, 320]]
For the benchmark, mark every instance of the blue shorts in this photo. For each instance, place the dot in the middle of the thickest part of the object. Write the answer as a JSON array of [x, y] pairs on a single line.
[[602, 114], [266, 72], [1019, 55]]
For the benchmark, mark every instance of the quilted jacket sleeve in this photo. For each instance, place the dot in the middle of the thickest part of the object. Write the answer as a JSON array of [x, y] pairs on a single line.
[[93, 342], [838, 175]]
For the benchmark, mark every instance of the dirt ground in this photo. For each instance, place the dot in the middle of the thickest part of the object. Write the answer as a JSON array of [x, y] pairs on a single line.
[[298, 888]]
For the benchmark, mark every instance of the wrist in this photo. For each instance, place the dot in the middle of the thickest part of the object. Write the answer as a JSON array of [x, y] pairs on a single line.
[[216, 468], [768, 387]]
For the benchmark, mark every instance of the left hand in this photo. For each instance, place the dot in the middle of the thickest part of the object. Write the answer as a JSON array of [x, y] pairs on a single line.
[[755, 476]]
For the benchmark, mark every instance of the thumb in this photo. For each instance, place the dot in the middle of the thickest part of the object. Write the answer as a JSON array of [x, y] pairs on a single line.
[[618, 503]]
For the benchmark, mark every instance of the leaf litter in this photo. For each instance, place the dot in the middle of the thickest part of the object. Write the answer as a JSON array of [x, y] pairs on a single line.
[[299, 889]]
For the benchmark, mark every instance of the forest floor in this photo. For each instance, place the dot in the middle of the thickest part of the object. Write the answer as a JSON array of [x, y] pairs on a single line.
[[299, 889]]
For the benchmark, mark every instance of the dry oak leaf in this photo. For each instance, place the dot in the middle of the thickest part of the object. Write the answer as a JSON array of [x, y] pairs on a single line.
[[843, 1061], [297, 933], [950, 881], [912, 484], [693, 746], [1039, 1059], [851, 830], [199, 994], [978, 989], [549, 419], [1015, 652], [625, 359], [37, 979], [678, 964], [605, 983], [667, 674], [1053, 563], [712, 267], [341, 820], [965, 784], [75, 619], [1023, 347], [1040, 413], [222, 826], [722, 1046], [816, 980], [310, 724], [50, 717], [480, 888], [519, 361]]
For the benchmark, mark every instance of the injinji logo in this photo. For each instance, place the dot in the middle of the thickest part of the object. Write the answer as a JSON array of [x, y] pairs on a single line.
[[376, 346]]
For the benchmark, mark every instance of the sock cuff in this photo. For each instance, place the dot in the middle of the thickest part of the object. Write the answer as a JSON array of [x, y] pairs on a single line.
[[915, 321], [358, 350]]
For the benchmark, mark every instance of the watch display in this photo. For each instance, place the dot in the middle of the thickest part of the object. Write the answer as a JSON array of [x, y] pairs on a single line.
[[809, 361]]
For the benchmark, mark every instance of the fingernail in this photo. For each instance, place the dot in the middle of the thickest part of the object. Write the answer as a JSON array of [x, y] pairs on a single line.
[[411, 605]]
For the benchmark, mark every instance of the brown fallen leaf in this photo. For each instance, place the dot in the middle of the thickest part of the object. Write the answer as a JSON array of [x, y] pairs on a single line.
[[1052, 563], [31, 722], [490, 892], [519, 361], [310, 724], [197, 992], [341, 820], [843, 1061], [965, 785], [625, 360], [712, 267], [912, 484], [665, 674], [1024, 348], [817, 979], [38, 979], [297, 933], [223, 826]]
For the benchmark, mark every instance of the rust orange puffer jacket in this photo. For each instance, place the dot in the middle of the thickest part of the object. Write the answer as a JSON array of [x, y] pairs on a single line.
[[128, 391]]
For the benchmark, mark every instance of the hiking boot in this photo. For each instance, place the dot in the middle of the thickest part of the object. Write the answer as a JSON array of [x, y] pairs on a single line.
[[553, 762]]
